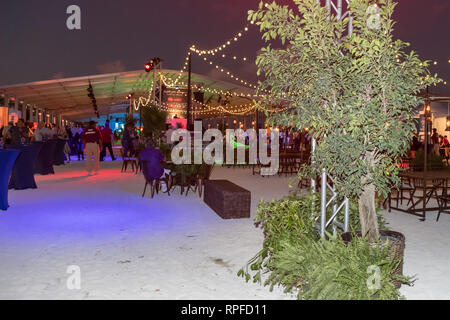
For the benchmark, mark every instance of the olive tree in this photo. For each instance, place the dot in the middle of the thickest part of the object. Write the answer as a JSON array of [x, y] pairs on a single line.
[[154, 122], [357, 94]]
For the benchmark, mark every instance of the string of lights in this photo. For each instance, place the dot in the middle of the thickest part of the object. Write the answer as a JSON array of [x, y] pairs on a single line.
[[214, 91], [435, 63], [223, 45], [241, 109], [224, 56], [246, 83], [142, 101], [232, 76], [180, 73], [229, 93], [238, 109], [165, 107]]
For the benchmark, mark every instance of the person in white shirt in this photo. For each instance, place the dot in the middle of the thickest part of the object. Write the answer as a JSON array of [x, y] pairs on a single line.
[[168, 134], [6, 128], [42, 132], [75, 130]]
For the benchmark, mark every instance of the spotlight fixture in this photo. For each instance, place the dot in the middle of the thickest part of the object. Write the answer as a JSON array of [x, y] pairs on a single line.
[[149, 66], [153, 63]]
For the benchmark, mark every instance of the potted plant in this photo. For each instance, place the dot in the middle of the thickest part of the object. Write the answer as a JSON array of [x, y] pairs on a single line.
[[154, 123], [357, 95], [295, 257], [434, 162]]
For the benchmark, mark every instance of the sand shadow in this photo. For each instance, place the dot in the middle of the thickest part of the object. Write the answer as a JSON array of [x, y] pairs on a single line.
[[64, 180]]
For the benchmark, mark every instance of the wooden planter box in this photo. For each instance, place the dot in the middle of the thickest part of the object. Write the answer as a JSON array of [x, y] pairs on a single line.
[[227, 199]]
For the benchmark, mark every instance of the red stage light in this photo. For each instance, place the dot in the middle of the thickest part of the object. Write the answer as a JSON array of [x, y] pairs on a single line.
[[149, 66]]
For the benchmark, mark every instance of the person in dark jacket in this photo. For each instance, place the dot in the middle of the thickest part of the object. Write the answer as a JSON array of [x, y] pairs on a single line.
[[129, 134], [154, 158], [77, 144], [107, 139], [19, 134]]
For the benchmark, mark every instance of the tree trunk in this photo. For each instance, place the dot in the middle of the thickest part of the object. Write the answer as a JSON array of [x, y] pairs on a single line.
[[367, 213]]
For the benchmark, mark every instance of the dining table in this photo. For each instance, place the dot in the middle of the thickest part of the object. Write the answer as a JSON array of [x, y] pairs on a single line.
[[425, 186], [44, 161], [22, 176], [7, 160], [182, 174], [58, 158]]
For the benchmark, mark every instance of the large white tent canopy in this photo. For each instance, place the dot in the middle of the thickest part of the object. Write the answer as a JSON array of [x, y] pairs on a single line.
[[68, 97]]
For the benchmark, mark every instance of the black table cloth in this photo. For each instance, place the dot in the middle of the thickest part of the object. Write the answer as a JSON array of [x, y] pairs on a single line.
[[44, 161], [7, 159], [22, 176], [58, 159]]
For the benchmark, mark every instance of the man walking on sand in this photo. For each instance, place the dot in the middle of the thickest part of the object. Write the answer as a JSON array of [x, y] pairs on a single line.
[[107, 139], [92, 141]]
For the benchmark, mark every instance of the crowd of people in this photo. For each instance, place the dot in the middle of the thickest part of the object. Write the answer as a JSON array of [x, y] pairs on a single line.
[[439, 145], [79, 137], [294, 140], [21, 133]]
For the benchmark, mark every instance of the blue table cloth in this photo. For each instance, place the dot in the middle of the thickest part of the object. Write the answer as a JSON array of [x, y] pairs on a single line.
[[58, 159], [44, 162], [7, 159], [22, 176]]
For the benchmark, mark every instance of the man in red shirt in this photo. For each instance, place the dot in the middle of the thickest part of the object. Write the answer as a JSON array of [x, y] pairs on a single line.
[[92, 141], [107, 139]]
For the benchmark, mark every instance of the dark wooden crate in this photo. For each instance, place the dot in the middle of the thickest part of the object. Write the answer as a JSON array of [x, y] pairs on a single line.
[[227, 199]]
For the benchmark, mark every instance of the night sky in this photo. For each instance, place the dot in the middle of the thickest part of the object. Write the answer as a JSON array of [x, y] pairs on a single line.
[[120, 35]]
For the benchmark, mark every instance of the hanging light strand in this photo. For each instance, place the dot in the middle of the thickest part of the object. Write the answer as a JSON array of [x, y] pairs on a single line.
[[224, 45], [224, 56]]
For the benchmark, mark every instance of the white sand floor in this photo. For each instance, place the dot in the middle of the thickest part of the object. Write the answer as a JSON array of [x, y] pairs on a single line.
[[129, 247]]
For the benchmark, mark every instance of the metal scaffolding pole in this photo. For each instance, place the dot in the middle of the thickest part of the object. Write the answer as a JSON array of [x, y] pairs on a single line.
[[335, 8], [160, 84], [189, 93]]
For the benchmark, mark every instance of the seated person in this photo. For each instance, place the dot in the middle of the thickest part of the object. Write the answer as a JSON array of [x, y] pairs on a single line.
[[154, 157]]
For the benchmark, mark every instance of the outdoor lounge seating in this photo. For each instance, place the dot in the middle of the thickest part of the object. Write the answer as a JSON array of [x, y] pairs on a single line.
[[22, 176], [126, 160], [227, 199], [155, 184], [44, 161], [197, 181], [58, 158], [443, 201], [425, 187], [7, 160], [406, 189]]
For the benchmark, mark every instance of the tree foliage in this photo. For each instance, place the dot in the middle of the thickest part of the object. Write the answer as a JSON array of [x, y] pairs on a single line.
[[154, 122], [295, 257], [357, 94]]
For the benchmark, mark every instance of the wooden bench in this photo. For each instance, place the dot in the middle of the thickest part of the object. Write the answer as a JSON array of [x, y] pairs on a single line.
[[227, 199]]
